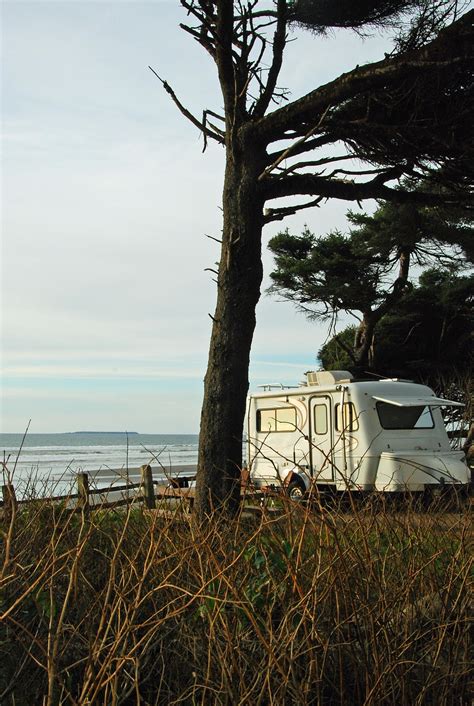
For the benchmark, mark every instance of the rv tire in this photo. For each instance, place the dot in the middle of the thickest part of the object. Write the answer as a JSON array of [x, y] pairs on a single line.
[[296, 490]]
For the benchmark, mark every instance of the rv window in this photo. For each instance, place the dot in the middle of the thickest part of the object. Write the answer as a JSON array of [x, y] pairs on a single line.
[[281, 419], [320, 419], [346, 421], [392, 417]]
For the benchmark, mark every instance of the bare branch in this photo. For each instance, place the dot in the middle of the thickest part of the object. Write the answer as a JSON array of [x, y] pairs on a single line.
[[301, 147], [211, 237], [205, 18], [289, 151], [224, 54], [278, 214], [216, 115], [317, 163], [279, 41], [187, 114], [362, 172], [201, 37]]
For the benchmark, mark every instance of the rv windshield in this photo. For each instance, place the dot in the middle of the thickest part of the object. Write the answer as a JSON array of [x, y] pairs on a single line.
[[393, 417]]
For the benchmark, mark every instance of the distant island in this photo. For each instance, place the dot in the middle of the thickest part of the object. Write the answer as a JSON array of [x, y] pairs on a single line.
[[130, 433]]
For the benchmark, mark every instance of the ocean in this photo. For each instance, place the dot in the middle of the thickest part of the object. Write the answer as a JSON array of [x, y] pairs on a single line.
[[48, 463]]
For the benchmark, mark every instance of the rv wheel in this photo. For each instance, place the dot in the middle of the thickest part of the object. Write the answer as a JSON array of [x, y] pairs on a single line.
[[296, 490]]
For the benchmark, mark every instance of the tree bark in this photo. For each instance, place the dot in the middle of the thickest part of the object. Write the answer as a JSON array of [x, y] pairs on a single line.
[[238, 291], [363, 341]]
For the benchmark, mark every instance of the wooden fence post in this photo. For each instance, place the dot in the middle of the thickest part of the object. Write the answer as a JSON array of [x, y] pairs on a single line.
[[148, 490], [9, 502], [83, 491]]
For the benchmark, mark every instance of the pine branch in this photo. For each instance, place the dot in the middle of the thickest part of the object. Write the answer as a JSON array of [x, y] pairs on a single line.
[[376, 188], [454, 41]]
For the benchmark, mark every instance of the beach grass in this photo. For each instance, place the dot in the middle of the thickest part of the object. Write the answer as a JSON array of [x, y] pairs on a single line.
[[314, 605]]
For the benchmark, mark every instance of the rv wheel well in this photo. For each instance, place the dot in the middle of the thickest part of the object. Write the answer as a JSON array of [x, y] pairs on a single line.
[[293, 479]]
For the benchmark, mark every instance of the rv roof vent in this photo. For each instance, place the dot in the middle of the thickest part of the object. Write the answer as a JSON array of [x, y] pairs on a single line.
[[327, 377]]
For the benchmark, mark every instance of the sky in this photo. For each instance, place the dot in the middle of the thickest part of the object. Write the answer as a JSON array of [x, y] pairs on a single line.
[[106, 202]]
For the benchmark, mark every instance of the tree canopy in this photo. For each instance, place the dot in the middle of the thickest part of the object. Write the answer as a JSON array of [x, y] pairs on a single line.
[[430, 331], [368, 271]]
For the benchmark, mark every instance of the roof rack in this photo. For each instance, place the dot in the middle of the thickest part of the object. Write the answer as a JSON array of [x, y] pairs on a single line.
[[269, 386]]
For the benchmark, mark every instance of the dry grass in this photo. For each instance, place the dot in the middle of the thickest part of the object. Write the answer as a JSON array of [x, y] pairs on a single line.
[[317, 606]]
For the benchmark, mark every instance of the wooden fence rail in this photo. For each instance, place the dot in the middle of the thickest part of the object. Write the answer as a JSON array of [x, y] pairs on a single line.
[[149, 489]]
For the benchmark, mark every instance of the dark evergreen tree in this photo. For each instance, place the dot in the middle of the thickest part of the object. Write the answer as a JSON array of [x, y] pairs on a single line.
[[430, 331], [367, 271]]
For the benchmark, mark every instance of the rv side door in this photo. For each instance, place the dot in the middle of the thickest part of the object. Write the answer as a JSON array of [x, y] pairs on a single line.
[[321, 439]]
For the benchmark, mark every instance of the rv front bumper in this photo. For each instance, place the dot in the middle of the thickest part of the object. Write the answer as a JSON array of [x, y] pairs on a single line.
[[416, 472]]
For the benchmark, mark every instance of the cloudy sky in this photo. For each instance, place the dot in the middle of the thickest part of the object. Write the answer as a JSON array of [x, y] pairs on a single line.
[[106, 203]]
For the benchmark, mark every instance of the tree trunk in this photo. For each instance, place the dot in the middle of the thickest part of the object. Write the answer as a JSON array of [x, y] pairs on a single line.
[[363, 342], [238, 291], [364, 336]]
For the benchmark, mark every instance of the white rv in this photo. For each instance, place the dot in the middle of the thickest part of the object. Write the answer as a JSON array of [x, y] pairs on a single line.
[[337, 434]]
